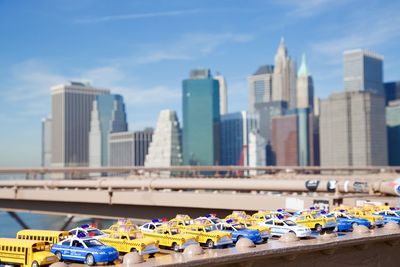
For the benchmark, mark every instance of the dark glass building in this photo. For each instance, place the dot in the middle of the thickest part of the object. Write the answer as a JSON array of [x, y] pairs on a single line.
[[201, 119], [393, 132]]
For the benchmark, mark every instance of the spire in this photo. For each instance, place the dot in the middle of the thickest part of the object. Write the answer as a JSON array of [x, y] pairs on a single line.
[[303, 71], [282, 51]]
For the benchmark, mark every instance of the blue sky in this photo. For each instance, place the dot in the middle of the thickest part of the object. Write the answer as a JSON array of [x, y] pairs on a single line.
[[143, 50]]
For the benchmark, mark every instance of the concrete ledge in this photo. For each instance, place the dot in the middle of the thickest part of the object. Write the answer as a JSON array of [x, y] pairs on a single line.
[[378, 248]]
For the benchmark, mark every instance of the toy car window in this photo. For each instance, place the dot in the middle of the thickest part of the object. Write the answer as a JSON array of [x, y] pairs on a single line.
[[76, 243], [92, 243], [73, 232], [290, 223], [174, 231], [269, 222], [80, 232], [94, 232], [66, 243], [152, 227], [146, 226]]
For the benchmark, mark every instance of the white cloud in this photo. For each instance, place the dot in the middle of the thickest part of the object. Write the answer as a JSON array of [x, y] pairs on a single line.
[[310, 8], [133, 16], [191, 46], [361, 33]]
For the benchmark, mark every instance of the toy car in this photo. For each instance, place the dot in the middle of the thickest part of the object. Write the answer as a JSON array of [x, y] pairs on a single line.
[[125, 224], [391, 215], [87, 250], [151, 226], [264, 215], [239, 230], [252, 224], [171, 237], [346, 222], [208, 234], [375, 220], [131, 242], [280, 227], [87, 230], [314, 220], [181, 220]]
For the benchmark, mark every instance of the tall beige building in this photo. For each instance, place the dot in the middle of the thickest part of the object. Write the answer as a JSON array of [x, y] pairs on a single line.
[[353, 130], [72, 103], [284, 79], [305, 86], [223, 94]]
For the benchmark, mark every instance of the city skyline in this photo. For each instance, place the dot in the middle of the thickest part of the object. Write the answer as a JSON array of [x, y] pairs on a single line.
[[36, 59]]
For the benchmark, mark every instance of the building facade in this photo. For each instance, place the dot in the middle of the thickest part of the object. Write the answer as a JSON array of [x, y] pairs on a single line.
[[108, 116], [46, 142], [285, 131], [201, 119], [260, 86], [353, 130], [129, 148], [165, 148], [363, 70], [235, 129], [305, 86], [257, 153], [284, 78], [264, 113], [223, 94], [393, 132], [72, 104], [392, 91]]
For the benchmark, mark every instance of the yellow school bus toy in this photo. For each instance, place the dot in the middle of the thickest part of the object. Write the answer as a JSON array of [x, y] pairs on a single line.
[[43, 235], [26, 253]]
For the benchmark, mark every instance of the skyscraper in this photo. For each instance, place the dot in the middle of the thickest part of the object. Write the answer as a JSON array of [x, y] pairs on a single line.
[[284, 78], [265, 112], [305, 86], [72, 104], [129, 148], [256, 150], [223, 94], [392, 91], [393, 132], [353, 130], [108, 116], [201, 119], [260, 86], [46, 142], [165, 147], [285, 131], [235, 129], [363, 70]]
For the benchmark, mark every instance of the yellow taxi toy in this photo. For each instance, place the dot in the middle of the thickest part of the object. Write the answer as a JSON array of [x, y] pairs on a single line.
[[131, 242], [208, 234], [375, 220], [127, 224], [181, 220], [314, 220], [171, 237], [26, 253]]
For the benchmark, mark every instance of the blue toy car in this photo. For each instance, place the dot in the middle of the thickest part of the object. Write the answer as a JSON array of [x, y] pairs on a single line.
[[391, 215], [87, 250], [346, 222], [239, 230]]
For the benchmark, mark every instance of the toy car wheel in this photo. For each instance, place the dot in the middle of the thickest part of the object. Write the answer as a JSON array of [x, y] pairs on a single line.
[[175, 247], [151, 255], [134, 250], [35, 264], [238, 238], [354, 224], [90, 260], [210, 243], [318, 227], [59, 255]]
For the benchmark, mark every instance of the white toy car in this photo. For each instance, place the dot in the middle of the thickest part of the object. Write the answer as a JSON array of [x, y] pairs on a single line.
[[280, 227]]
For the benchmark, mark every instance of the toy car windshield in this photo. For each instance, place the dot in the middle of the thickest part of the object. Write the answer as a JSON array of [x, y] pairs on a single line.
[[93, 243], [174, 231], [215, 220], [239, 226], [211, 228]]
